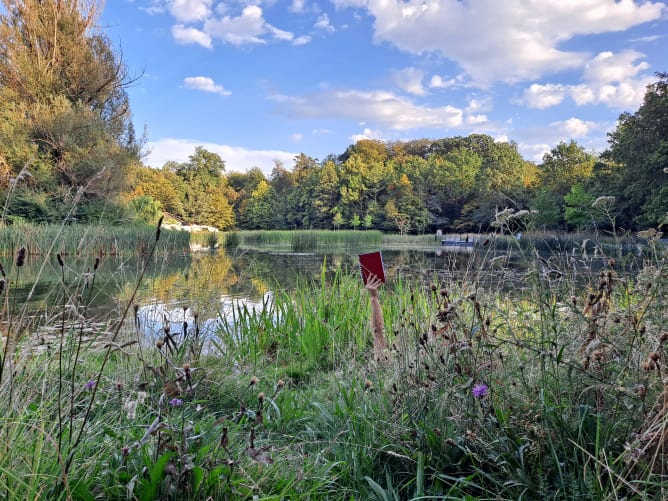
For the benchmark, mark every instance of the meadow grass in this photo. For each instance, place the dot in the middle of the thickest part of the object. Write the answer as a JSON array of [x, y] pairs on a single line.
[[555, 390]]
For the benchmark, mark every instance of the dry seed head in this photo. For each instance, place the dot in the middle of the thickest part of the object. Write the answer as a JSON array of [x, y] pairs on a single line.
[[158, 344], [650, 365], [368, 384], [653, 356], [253, 380], [280, 383], [60, 260], [97, 264], [663, 338], [260, 396], [21, 257]]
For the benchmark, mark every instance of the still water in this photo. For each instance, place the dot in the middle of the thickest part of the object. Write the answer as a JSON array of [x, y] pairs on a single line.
[[208, 284]]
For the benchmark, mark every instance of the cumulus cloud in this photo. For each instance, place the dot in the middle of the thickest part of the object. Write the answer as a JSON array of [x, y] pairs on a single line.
[[410, 80], [610, 79], [367, 134], [237, 159], [243, 29], [184, 35], [205, 84], [511, 41], [575, 127], [189, 10], [380, 107], [543, 96]]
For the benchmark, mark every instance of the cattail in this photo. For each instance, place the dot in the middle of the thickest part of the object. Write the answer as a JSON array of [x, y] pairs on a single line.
[[2, 271], [21, 257], [2, 285], [97, 264], [157, 231], [60, 260]]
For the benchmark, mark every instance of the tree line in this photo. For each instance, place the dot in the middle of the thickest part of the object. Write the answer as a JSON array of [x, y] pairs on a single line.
[[68, 149]]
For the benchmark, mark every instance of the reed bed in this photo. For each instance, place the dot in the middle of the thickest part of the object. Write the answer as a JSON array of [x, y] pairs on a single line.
[[554, 390], [87, 240], [307, 240]]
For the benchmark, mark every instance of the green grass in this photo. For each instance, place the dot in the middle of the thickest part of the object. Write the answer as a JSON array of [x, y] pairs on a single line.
[[287, 404]]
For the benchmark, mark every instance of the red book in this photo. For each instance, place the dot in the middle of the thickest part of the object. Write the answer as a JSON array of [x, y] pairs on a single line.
[[372, 264]]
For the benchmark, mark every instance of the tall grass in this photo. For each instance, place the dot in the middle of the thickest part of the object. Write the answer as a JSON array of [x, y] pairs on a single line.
[[308, 240], [555, 390], [88, 240]]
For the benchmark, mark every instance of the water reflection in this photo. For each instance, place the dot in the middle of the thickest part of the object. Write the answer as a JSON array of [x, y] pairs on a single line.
[[212, 284]]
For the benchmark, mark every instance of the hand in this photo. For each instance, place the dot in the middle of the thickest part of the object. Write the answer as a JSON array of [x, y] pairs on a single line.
[[372, 285]]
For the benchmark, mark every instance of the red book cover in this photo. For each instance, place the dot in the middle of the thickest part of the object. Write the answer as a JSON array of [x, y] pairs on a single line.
[[372, 264]]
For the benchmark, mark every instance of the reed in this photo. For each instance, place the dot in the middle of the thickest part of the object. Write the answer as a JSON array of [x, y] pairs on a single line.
[[308, 240], [88, 240]]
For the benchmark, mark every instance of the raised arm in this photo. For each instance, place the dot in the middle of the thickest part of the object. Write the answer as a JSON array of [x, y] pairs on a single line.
[[380, 351]]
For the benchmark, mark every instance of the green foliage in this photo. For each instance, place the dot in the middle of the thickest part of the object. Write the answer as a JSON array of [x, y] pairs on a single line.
[[147, 209], [64, 106], [578, 211], [640, 144]]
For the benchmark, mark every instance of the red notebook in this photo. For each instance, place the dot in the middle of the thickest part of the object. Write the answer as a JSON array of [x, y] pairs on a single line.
[[372, 264]]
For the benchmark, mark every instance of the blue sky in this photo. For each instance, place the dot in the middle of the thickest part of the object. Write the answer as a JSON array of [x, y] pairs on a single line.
[[257, 81]]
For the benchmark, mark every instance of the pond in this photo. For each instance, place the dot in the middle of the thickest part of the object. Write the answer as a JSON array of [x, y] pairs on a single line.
[[210, 284]]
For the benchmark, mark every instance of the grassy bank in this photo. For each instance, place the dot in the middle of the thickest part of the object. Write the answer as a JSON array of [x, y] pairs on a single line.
[[553, 393]]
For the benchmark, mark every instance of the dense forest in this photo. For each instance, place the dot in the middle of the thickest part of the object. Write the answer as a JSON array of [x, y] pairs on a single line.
[[68, 149]]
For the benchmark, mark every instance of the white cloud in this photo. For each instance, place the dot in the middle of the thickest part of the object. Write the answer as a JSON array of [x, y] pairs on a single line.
[[476, 119], [243, 29], [205, 84], [189, 10], [296, 137], [383, 108], [410, 80], [437, 82], [237, 159], [511, 41], [575, 127], [608, 78], [608, 67], [367, 134], [322, 23], [534, 151], [301, 40], [543, 96], [184, 35]]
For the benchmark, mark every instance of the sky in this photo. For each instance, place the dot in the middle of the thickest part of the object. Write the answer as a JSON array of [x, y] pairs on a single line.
[[260, 81]]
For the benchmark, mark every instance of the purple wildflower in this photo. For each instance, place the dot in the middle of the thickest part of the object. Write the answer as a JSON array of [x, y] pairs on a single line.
[[90, 384], [480, 390], [175, 402]]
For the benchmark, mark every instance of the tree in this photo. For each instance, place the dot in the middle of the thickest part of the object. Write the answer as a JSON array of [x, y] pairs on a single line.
[[62, 88], [640, 144], [564, 166], [548, 213], [578, 211]]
